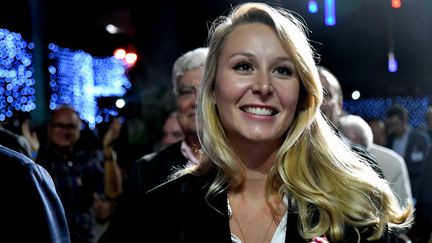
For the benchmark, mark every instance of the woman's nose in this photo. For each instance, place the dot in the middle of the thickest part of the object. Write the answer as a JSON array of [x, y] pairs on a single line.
[[262, 84]]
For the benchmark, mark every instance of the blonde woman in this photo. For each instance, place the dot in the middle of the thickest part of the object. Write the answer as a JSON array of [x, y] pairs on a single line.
[[275, 171]]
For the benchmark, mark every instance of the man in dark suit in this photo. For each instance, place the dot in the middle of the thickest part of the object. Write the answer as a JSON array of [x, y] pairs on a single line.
[[424, 203], [409, 143], [32, 210], [187, 75]]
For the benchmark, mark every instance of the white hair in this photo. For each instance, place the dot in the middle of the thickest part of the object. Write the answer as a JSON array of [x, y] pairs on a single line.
[[356, 129], [191, 60]]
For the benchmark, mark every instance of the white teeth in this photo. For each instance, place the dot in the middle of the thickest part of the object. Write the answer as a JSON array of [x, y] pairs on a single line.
[[259, 111]]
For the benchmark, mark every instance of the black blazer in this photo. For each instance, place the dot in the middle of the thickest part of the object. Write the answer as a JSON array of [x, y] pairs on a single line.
[[147, 174], [177, 212], [423, 213], [416, 152], [144, 176]]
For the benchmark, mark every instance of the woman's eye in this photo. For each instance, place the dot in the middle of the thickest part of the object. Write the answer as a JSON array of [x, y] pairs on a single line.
[[284, 71], [243, 67]]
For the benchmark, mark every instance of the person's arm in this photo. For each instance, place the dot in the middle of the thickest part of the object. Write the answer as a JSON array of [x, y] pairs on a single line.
[[113, 175], [31, 137], [124, 222]]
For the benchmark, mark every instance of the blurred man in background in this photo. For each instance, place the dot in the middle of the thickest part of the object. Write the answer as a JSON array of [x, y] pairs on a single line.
[[171, 133]]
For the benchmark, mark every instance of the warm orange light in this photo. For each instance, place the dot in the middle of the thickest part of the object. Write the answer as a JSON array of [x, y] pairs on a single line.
[[120, 53], [131, 58], [396, 3]]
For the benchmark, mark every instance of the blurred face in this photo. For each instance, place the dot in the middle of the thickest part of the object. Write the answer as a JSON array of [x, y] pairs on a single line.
[[332, 104], [394, 126], [64, 130], [188, 87], [379, 132], [172, 131], [256, 89]]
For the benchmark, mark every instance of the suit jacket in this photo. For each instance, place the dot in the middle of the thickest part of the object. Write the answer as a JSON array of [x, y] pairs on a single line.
[[31, 209], [416, 151], [395, 171], [144, 176], [147, 174], [177, 212], [424, 201]]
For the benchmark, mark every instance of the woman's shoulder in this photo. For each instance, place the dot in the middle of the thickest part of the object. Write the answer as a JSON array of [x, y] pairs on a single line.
[[178, 197], [183, 186]]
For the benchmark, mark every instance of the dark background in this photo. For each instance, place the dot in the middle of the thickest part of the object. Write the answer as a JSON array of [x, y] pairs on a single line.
[[355, 49]]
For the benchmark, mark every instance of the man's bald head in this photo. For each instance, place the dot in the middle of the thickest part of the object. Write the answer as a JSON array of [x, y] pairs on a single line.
[[332, 106]]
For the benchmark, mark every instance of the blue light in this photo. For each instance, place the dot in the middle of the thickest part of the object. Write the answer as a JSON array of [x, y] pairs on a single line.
[[52, 69], [99, 119], [78, 79], [377, 107], [393, 66], [15, 74], [392, 63], [330, 12], [312, 6]]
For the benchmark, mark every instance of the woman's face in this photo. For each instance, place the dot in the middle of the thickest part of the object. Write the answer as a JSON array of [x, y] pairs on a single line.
[[256, 87]]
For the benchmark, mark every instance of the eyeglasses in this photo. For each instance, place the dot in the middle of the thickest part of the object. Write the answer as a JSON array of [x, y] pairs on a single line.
[[187, 91], [69, 126]]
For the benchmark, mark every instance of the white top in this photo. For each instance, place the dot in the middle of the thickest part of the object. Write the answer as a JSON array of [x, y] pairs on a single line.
[[280, 233]]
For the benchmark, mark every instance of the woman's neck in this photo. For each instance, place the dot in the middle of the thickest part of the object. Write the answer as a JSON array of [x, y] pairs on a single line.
[[257, 156]]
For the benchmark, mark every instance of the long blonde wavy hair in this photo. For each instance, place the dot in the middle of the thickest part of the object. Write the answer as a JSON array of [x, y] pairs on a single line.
[[313, 165]]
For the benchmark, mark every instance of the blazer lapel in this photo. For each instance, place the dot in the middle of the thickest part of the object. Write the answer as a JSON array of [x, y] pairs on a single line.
[[205, 223]]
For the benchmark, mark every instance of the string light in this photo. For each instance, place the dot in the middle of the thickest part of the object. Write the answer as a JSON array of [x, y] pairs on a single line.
[[17, 92], [78, 79]]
